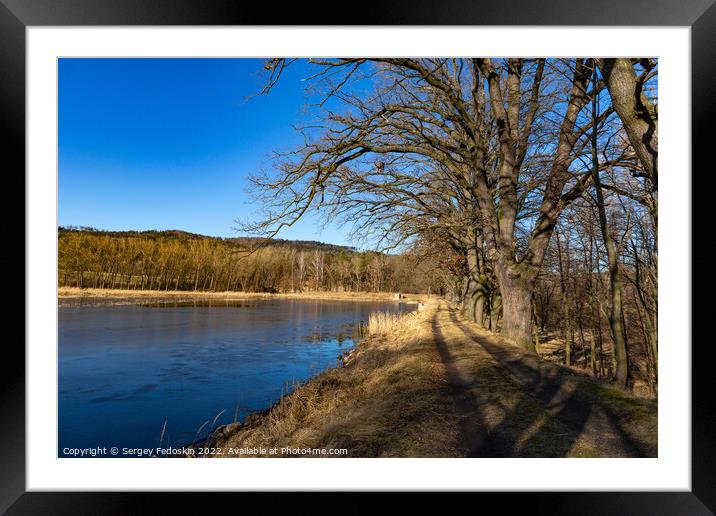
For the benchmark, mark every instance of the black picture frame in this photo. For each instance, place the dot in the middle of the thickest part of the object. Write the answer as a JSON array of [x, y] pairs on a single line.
[[17, 15]]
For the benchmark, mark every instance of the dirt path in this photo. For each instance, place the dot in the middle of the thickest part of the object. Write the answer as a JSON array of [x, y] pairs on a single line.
[[508, 403]]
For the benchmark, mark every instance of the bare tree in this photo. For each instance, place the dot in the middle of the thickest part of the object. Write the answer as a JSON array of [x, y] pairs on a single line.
[[470, 135], [638, 113], [616, 315]]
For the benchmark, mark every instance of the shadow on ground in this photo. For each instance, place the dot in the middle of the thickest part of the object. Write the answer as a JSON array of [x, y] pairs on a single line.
[[580, 426]]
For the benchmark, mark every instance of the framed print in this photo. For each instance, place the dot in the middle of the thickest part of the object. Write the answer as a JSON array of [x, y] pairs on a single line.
[[413, 250]]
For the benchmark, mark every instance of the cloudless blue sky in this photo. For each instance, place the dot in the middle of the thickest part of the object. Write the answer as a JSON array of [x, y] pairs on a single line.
[[169, 143]]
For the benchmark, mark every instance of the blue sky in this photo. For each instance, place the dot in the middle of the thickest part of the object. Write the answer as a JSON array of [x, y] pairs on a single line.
[[169, 143]]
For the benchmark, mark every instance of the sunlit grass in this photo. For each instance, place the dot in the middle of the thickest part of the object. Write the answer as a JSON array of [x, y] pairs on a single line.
[[387, 324], [388, 399]]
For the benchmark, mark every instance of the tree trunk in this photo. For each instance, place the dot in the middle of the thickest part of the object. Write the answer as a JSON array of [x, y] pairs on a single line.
[[473, 301], [616, 323], [516, 292], [566, 319], [567, 328], [495, 311], [535, 327], [616, 318], [593, 353], [637, 114]]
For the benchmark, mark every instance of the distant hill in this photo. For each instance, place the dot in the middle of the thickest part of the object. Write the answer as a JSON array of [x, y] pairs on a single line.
[[181, 261], [178, 234]]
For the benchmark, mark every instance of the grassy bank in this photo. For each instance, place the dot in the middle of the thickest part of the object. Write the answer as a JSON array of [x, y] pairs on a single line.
[[387, 401], [425, 385], [69, 293]]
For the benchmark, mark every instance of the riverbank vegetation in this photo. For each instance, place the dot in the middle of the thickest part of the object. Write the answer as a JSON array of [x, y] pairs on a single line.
[[88, 296], [351, 407], [422, 384]]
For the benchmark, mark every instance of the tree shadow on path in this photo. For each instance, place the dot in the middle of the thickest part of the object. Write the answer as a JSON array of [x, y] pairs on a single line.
[[475, 439], [550, 385]]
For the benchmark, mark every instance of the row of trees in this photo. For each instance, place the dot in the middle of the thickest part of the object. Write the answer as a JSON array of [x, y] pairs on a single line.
[[573, 292], [177, 261], [533, 181]]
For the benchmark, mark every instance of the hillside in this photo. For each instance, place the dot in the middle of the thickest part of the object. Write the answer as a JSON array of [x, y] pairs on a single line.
[[183, 261], [178, 234]]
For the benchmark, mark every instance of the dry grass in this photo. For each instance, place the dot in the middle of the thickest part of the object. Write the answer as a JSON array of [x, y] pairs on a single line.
[[387, 401], [393, 398], [396, 397], [129, 295], [388, 324]]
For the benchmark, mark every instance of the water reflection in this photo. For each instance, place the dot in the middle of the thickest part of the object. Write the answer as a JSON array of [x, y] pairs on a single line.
[[125, 370], [214, 303]]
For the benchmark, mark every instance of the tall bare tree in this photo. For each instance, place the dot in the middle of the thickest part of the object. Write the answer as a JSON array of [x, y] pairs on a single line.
[[616, 314], [490, 139]]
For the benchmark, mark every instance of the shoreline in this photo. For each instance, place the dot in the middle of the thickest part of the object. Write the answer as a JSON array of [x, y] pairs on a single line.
[[132, 296], [427, 383], [326, 399], [422, 385]]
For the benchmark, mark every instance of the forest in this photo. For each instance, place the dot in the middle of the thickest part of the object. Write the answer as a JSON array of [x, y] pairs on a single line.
[[177, 260]]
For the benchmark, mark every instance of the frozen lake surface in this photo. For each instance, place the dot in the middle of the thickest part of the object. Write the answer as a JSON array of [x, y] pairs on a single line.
[[125, 370]]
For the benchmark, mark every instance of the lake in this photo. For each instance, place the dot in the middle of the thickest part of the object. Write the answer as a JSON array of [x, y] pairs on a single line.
[[126, 370]]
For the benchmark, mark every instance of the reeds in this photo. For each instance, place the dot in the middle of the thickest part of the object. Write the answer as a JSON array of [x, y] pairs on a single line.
[[389, 324], [390, 376], [164, 430]]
